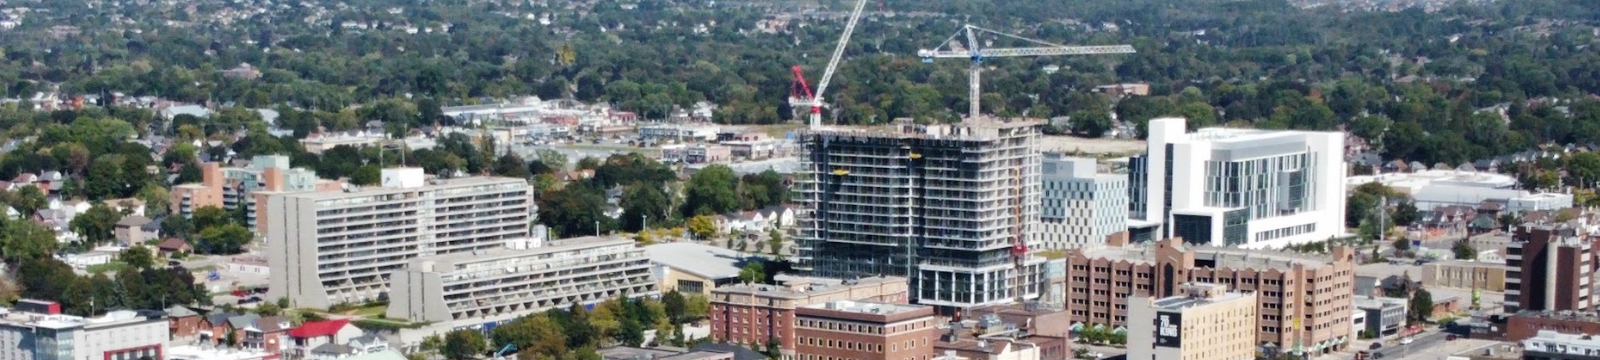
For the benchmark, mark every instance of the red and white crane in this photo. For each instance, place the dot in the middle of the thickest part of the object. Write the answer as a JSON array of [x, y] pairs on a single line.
[[801, 95]]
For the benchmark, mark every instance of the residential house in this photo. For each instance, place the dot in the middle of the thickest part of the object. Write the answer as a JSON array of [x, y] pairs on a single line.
[[130, 206], [268, 334], [1396, 166], [1448, 217], [312, 334], [214, 327], [174, 245], [131, 230], [369, 343], [331, 351], [182, 323]]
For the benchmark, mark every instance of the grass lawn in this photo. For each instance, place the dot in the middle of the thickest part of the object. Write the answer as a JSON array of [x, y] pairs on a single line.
[[370, 311], [110, 266]]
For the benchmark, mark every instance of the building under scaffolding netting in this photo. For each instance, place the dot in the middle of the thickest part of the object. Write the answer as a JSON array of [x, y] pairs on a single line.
[[943, 205]]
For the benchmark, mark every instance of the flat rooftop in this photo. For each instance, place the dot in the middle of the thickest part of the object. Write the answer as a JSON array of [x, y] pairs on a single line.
[[800, 288], [433, 184], [866, 307], [1426, 177], [447, 262], [1178, 303], [983, 129], [703, 260], [1223, 256]]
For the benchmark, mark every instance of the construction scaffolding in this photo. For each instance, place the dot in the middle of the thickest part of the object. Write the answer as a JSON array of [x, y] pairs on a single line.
[[943, 205]]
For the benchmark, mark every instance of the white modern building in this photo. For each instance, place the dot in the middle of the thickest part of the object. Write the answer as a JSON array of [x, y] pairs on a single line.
[[119, 335], [1237, 187], [1434, 188], [327, 248], [1080, 207], [672, 132], [502, 284]]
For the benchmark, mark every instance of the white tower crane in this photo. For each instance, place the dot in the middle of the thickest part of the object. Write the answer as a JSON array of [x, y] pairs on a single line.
[[977, 52], [802, 95]]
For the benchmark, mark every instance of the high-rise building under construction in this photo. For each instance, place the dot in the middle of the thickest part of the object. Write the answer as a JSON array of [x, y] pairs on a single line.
[[943, 205]]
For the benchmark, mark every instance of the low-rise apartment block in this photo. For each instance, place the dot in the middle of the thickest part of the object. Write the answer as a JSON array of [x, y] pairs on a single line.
[[502, 284], [859, 330], [757, 313], [1205, 322], [1305, 301], [327, 248]]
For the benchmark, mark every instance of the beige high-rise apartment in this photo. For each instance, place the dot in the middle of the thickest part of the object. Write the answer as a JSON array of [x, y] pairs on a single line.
[[1205, 322], [327, 248]]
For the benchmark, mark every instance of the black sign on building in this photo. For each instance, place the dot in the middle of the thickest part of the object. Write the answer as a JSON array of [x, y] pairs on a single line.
[[1169, 327]]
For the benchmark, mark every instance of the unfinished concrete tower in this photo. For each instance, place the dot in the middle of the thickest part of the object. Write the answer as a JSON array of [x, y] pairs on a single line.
[[943, 205]]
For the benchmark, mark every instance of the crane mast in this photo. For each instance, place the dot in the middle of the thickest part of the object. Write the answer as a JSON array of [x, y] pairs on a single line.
[[814, 100], [976, 52]]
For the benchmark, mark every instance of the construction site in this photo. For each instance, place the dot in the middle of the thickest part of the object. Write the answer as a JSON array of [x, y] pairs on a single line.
[[943, 205], [946, 206]]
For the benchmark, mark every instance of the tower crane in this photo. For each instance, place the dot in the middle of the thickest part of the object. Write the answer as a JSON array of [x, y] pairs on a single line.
[[977, 52], [801, 95]]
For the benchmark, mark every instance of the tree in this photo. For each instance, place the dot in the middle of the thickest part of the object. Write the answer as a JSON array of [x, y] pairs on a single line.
[[676, 306], [702, 227], [209, 216], [574, 210], [543, 338], [1464, 251], [366, 175], [177, 226], [696, 306], [1421, 306], [1405, 213], [137, 257], [1585, 168], [25, 240], [463, 344], [29, 200], [1091, 123], [1401, 244], [268, 309], [223, 240], [711, 191], [753, 272], [642, 202], [774, 241], [156, 200], [511, 165], [98, 225], [534, 336]]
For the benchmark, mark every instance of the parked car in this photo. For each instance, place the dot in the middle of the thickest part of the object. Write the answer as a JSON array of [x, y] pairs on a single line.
[[1375, 346], [1405, 340]]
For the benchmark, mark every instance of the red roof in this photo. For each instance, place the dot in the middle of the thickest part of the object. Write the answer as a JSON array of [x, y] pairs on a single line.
[[319, 328]]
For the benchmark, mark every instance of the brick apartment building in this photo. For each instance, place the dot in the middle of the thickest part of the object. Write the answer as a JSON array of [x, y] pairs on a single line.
[[1305, 301], [1550, 266], [758, 313], [858, 330]]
